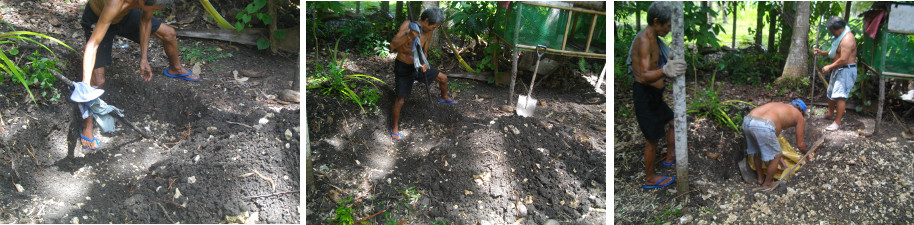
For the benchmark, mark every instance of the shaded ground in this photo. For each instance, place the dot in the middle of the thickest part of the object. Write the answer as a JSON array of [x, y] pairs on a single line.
[[208, 137], [853, 178], [460, 164]]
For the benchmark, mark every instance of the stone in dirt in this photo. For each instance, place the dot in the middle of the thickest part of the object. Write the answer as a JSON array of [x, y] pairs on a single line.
[[507, 108], [289, 96], [521, 210], [551, 222], [252, 74]]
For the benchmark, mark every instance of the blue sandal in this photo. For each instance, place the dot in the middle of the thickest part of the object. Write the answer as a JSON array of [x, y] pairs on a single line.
[[671, 163], [182, 76], [452, 101], [657, 185], [97, 145], [398, 136]]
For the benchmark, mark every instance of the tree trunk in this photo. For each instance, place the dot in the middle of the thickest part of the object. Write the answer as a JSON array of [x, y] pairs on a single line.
[[357, 6], [759, 22], [677, 49], [734, 12], [722, 10], [638, 20], [788, 15], [385, 6], [847, 11], [772, 29], [434, 42], [399, 14], [796, 66], [411, 11], [704, 4]]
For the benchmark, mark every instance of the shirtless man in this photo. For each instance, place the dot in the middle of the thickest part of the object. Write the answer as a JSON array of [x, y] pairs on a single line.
[[762, 127], [404, 66], [649, 65], [133, 20], [843, 69]]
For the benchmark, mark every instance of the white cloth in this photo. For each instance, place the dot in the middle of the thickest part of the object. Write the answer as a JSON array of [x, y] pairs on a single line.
[[835, 43], [82, 92], [418, 57], [102, 112]]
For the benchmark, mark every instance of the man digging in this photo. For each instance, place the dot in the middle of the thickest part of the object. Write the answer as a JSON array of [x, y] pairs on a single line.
[[763, 125], [843, 69], [411, 64], [133, 20], [648, 61]]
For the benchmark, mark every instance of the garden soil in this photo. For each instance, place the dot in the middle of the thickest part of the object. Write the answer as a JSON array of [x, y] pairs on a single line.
[[469, 163], [853, 177], [222, 150]]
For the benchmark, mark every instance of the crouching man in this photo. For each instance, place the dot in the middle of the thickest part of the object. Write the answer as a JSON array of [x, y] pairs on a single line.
[[762, 127]]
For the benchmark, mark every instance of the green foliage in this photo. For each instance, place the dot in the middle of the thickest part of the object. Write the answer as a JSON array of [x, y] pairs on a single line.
[[697, 27], [457, 86], [203, 54], [344, 213], [471, 19], [331, 80], [381, 49], [17, 73], [39, 73], [667, 215], [410, 193], [750, 68], [390, 218], [706, 103], [440, 222], [251, 11]]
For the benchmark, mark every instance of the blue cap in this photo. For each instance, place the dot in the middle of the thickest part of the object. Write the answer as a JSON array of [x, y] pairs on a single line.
[[800, 105]]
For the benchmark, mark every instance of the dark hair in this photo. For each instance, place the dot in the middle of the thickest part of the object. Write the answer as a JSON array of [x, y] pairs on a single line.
[[157, 2], [433, 14], [659, 10], [835, 23]]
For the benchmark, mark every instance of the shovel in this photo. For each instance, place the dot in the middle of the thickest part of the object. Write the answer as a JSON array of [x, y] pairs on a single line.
[[526, 104]]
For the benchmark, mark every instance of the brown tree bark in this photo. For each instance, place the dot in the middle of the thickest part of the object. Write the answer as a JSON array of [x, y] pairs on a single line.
[[796, 66], [759, 22], [772, 30], [399, 14], [734, 11]]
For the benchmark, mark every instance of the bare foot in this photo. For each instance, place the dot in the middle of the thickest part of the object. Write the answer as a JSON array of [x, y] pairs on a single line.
[[87, 133], [174, 71], [395, 134], [655, 179]]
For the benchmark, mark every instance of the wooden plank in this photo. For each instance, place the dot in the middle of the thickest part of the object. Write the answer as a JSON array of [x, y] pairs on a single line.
[[248, 37], [565, 8]]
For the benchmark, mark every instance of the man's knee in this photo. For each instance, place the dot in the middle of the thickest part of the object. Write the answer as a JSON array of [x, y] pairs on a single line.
[[166, 33], [441, 77]]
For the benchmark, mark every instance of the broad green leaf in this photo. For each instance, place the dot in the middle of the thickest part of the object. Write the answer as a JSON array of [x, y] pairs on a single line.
[[262, 44]]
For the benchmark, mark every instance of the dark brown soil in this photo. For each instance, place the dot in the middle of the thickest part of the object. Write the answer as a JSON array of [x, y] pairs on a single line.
[[852, 175], [208, 137], [470, 163]]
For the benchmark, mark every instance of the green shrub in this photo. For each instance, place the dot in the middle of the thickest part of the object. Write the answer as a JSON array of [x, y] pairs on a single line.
[[331, 80], [706, 103], [17, 73]]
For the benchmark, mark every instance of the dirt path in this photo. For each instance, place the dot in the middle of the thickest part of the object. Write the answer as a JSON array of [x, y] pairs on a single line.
[[460, 164], [852, 179], [208, 137]]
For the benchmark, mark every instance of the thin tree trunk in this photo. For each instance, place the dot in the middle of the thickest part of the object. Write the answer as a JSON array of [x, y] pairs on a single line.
[[357, 6], [385, 6], [722, 7], [847, 11], [399, 14], [704, 4], [638, 20], [787, 19], [734, 12], [411, 10], [759, 22], [772, 29], [434, 42], [796, 66], [678, 53]]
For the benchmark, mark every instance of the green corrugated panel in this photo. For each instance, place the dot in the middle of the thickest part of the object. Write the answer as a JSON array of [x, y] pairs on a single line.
[[546, 26]]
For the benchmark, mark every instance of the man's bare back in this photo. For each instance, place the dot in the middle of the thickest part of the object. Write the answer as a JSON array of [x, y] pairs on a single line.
[[126, 5], [784, 116]]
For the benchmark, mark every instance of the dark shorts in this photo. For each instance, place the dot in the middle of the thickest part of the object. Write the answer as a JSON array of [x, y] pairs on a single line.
[[650, 110], [406, 74], [128, 27]]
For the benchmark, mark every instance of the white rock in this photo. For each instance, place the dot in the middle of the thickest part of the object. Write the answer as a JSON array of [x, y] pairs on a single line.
[[192, 179], [288, 134], [263, 121], [75, 220]]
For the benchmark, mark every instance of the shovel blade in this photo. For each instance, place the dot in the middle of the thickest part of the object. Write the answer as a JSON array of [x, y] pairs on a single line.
[[747, 174], [525, 106]]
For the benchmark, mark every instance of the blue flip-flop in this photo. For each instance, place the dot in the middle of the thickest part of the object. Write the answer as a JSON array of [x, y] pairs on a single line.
[[664, 162], [398, 136], [182, 76], [448, 101], [657, 185], [97, 144]]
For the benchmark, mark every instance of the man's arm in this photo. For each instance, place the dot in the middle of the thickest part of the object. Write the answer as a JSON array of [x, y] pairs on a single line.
[[404, 36], [642, 61], [801, 124], [145, 27], [101, 27]]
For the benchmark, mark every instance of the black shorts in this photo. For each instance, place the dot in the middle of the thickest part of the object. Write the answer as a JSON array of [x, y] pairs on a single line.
[[650, 110], [406, 74], [128, 27]]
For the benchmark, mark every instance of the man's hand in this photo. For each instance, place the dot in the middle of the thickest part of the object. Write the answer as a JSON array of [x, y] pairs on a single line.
[[424, 67], [818, 51], [145, 70], [674, 68], [826, 69]]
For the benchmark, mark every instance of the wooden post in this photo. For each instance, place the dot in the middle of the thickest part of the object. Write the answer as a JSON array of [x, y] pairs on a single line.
[[679, 97], [568, 27], [593, 24], [516, 52], [735, 5]]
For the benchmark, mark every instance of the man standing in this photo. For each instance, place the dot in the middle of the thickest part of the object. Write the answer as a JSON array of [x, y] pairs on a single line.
[[133, 20], [648, 60], [411, 65], [762, 127], [843, 69]]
